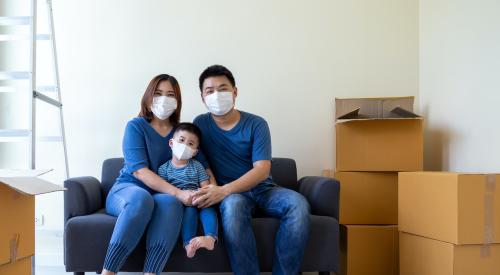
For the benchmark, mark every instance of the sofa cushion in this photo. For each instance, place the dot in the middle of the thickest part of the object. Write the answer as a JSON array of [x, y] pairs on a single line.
[[87, 237]]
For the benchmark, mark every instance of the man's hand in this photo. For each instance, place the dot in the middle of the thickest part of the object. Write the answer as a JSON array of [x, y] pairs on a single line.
[[186, 197], [210, 195]]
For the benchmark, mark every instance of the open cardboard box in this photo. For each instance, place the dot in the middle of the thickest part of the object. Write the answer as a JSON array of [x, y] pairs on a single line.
[[378, 134], [18, 189]]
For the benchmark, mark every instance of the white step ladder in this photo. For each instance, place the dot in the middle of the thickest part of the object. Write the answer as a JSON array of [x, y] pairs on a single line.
[[37, 92]]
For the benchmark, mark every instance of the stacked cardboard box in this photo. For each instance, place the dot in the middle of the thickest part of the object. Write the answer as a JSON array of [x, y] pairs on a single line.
[[17, 219], [375, 139], [449, 223]]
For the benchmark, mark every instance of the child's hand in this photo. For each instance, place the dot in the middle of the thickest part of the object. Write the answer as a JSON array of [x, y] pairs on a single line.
[[186, 197]]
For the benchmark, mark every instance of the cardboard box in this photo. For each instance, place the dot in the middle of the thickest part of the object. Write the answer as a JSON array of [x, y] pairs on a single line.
[[367, 197], [378, 134], [17, 212], [366, 249], [20, 267], [451, 207], [423, 256]]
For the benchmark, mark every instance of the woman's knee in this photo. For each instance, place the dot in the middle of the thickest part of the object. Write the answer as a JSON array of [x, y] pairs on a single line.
[[132, 204], [140, 204], [168, 203]]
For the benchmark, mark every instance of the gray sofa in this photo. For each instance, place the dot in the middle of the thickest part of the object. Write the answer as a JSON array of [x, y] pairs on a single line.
[[88, 228]]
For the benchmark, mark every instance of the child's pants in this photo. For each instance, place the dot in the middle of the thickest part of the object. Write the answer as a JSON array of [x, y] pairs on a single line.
[[208, 217]]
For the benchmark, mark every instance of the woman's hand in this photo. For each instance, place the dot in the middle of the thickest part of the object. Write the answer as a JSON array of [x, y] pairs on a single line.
[[185, 196]]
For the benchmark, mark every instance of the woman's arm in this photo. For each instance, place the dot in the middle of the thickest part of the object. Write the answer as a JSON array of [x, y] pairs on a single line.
[[155, 182]]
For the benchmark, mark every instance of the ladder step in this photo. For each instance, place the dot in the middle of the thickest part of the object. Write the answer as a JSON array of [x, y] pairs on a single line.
[[46, 89], [14, 135], [24, 37], [50, 139], [44, 36], [13, 75], [41, 89], [15, 20], [24, 135]]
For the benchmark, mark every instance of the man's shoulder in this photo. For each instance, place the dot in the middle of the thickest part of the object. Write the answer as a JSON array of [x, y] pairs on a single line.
[[253, 118], [201, 119]]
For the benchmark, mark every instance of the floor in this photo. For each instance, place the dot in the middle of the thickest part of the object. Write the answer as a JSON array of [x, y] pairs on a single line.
[[49, 258], [60, 271]]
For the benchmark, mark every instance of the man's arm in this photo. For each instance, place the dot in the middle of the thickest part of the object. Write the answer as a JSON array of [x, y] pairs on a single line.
[[211, 176], [212, 194]]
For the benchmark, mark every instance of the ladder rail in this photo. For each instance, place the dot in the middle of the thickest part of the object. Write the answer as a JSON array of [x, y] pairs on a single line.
[[58, 87], [32, 117]]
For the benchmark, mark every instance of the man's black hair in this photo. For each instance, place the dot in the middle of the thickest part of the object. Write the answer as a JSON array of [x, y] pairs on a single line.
[[190, 128], [216, 70]]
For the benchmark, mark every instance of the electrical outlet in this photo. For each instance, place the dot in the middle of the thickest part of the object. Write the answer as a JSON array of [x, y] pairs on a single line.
[[39, 220]]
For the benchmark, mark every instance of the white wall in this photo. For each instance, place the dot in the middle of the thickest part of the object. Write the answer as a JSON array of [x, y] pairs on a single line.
[[460, 84], [290, 60]]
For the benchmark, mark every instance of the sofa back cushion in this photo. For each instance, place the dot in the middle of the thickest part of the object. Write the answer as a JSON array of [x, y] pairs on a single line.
[[283, 171]]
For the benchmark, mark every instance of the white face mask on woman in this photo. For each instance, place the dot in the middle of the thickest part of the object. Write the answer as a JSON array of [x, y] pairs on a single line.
[[181, 151], [219, 103], [163, 106]]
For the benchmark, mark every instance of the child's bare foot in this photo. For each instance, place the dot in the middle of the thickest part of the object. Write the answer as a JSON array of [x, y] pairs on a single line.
[[207, 242], [191, 248]]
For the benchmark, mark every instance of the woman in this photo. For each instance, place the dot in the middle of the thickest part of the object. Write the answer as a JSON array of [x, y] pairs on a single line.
[[142, 200]]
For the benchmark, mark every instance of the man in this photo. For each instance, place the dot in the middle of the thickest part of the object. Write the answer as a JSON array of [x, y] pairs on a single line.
[[238, 147]]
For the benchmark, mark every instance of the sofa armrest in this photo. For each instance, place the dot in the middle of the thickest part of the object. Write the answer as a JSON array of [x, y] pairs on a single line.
[[83, 197], [322, 193]]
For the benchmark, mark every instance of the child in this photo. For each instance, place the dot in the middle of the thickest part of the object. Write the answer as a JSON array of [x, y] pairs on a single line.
[[188, 174]]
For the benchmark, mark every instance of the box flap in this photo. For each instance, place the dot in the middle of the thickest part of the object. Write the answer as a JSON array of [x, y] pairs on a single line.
[[30, 185], [8, 173], [374, 108]]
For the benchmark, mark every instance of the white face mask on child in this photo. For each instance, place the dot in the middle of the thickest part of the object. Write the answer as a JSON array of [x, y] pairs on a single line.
[[182, 151]]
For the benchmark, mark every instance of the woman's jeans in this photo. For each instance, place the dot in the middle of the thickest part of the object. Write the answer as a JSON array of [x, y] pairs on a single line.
[[208, 218], [160, 215], [290, 207]]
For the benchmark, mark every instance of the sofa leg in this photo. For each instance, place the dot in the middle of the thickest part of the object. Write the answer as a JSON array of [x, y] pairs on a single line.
[[78, 273], [323, 273]]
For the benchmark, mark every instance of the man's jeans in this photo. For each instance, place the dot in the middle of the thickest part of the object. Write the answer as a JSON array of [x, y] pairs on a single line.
[[287, 205]]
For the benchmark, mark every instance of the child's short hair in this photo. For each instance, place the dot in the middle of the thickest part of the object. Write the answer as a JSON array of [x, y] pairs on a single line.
[[190, 128]]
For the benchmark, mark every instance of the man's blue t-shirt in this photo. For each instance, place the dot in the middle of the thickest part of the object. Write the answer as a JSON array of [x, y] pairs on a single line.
[[232, 153], [143, 147]]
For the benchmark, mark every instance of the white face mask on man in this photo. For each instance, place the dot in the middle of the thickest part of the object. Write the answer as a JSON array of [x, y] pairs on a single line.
[[181, 151], [219, 103], [163, 106]]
